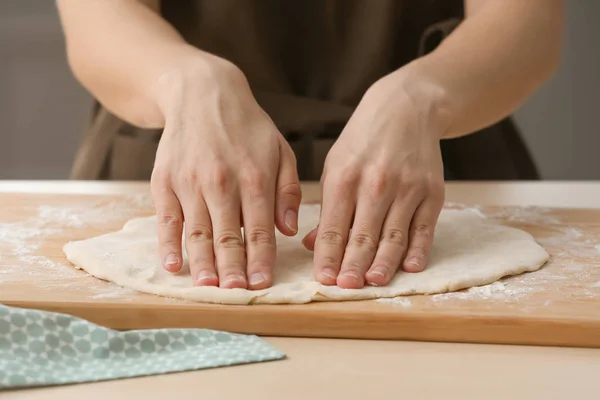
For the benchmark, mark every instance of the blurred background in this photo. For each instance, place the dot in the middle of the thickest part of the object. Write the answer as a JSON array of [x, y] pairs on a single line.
[[43, 110]]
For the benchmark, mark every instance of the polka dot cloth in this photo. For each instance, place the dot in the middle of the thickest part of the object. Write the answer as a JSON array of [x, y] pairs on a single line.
[[39, 348]]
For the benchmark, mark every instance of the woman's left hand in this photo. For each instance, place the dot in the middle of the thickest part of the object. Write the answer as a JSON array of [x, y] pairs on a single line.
[[382, 188]]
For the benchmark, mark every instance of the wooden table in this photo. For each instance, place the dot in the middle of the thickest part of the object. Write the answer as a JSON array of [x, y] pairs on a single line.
[[350, 369]]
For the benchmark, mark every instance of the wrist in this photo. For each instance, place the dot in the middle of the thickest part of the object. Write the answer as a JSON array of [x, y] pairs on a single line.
[[411, 90], [194, 76]]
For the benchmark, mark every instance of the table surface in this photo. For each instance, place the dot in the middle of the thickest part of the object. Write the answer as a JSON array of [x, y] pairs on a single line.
[[349, 369]]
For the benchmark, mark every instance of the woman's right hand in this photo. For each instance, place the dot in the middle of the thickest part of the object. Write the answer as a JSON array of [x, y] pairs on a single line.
[[221, 165]]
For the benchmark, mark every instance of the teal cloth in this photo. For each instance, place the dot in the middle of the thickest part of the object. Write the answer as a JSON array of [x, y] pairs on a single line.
[[39, 348]]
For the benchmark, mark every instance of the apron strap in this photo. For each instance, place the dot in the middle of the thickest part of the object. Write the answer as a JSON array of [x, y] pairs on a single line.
[[91, 157]]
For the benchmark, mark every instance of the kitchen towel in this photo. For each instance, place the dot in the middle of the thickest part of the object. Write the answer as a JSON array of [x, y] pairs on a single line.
[[39, 348]]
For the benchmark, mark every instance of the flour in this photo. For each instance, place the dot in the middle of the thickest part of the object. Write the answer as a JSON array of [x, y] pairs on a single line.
[[112, 291], [18, 234], [85, 215], [494, 291], [22, 241], [401, 301]]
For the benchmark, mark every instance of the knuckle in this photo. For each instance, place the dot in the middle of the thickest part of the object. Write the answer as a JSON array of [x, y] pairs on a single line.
[[220, 177], [229, 240], [349, 176], [254, 180], [257, 237], [413, 181], [409, 179], [377, 181], [290, 189], [424, 231], [435, 183], [436, 187], [329, 261], [363, 241], [199, 233], [168, 219], [189, 179], [418, 251], [395, 237], [331, 237], [345, 178]]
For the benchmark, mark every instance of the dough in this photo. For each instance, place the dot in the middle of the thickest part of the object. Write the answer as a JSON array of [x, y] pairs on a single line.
[[468, 251]]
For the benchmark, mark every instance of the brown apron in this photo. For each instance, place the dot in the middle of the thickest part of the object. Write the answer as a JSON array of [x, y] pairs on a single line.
[[309, 62]]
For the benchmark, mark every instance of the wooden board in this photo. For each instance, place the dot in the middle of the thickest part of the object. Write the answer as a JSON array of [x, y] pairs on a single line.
[[558, 305]]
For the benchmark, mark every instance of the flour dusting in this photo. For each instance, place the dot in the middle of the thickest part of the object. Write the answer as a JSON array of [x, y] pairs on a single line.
[[112, 291], [574, 250], [496, 291], [401, 301], [82, 216], [22, 241]]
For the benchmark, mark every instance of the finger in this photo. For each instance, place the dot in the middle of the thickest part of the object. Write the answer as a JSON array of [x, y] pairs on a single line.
[[224, 207], [364, 239], [421, 235], [309, 240], [199, 242], [258, 199], [392, 243], [170, 225], [288, 194], [336, 216]]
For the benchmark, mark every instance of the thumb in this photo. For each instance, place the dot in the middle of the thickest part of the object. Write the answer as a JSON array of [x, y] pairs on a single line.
[[289, 194]]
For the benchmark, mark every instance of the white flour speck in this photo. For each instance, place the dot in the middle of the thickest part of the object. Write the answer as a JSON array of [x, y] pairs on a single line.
[[402, 301], [496, 290], [112, 291], [23, 240]]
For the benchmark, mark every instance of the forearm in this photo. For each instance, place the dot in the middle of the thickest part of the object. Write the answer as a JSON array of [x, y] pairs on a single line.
[[490, 64], [118, 50]]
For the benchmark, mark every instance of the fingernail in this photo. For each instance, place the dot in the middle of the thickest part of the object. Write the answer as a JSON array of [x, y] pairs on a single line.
[[171, 260], [257, 278], [291, 220], [328, 272], [414, 261], [234, 278], [205, 275], [352, 274], [379, 271]]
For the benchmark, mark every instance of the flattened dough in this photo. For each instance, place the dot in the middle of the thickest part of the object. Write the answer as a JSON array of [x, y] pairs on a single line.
[[468, 251]]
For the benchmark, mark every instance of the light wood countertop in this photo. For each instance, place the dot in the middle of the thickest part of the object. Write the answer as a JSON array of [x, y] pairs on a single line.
[[350, 369]]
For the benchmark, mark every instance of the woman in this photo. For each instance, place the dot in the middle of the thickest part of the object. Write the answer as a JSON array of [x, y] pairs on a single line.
[[212, 99]]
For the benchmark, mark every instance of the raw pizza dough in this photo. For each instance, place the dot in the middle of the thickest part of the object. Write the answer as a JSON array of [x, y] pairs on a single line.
[[468, 251]]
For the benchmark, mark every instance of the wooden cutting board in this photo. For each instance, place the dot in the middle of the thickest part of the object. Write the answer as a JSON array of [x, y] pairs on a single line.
[[558, 305]]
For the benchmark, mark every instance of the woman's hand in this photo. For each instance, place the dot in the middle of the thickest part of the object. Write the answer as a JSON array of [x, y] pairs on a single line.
[[383, 189], [221, 164]]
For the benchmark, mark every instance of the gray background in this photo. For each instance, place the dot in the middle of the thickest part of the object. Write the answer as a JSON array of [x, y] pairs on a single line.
[[43, 110]]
